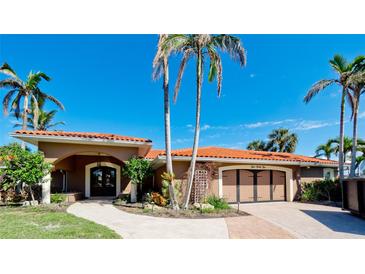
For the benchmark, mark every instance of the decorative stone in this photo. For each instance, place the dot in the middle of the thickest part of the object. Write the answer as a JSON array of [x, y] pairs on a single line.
[[204, 206], [30, 203]]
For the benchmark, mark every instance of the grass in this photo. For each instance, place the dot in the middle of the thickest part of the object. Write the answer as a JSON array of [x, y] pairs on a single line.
[[48, 222]]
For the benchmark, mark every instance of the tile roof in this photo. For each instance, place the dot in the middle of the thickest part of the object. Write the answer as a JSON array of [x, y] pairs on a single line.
[[220, 152], [86, 135], [153, 153]]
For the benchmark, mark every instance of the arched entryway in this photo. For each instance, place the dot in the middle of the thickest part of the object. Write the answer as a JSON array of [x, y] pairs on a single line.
[[102, 179]]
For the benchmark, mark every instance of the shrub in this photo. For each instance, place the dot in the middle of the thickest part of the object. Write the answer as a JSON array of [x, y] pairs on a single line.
[[321, 190], [218, 203], [157, 199], [58, 198], [137, 170], [177, 189], [21, 167]]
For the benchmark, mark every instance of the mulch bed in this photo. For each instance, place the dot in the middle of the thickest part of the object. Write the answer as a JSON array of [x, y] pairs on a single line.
[[184, 214]]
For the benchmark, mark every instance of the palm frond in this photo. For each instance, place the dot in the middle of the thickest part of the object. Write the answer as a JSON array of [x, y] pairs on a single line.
[[215, 69], [7, 70], [11, 83], [7, 99], [232, 45], [175, 42], [357, 64], [183, 63], [339, 63], [158, 60], [316, 88], [51, 98]]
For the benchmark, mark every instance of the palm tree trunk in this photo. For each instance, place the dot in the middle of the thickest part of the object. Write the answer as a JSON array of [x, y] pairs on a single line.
[[354, 139], [341, 158], [169, 167], [25, 117], [25, 113], [199, 71]]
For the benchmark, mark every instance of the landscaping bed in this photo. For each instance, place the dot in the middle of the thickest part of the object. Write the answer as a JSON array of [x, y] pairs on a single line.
[[48, 222], [167, 212]]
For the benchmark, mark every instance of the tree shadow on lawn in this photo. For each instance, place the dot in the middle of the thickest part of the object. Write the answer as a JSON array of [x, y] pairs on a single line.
[[338, 221]]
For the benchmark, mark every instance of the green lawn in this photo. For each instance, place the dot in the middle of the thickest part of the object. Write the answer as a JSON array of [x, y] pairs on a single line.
[[48, 222]]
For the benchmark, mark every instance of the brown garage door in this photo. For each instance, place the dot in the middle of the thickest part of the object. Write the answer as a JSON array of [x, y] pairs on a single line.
[[253, 185]]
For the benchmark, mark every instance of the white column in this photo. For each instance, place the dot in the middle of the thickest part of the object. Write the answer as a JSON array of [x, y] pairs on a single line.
[[133, 193], [46, 189]]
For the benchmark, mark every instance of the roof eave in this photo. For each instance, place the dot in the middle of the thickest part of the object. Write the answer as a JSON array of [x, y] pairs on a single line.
[[35, 139], [249, 161]]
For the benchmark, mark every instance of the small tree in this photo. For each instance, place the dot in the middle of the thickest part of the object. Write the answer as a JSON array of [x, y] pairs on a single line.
[[22, 167], [137, 170]]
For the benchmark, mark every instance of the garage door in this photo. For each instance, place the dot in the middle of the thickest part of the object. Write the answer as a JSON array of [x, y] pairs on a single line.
[[253, 185]]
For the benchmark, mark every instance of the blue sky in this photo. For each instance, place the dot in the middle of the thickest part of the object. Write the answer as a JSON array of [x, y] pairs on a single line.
[[105, 84]]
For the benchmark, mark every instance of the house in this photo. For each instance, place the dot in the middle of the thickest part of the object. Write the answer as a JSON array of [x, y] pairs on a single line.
[[91, 164]]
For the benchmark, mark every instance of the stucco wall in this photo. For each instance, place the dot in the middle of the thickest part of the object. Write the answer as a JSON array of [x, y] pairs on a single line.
[[181, 168], [75, 167], [55, 152]]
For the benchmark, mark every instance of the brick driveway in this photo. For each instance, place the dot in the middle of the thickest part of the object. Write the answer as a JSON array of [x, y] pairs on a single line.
[[309, 220]]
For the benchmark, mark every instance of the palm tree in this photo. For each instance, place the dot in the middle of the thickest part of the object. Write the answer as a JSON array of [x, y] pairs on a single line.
[[344, 71], [45, 120], [24, 90], [281, 140], [356, 86], [202, 46], [325, 150], [347, 145], [257, 145], [161, 67]]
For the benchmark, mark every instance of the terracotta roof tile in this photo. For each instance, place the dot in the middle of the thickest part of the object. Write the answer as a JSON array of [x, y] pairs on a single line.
[[153, 153], [220, 152], [86, 135]]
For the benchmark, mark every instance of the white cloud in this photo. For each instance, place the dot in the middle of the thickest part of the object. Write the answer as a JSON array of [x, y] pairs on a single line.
[[182, 140], [205, 127], [267, 123], [361, 115], [307, 125]]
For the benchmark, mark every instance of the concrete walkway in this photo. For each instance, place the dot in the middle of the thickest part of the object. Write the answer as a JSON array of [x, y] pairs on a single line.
[[309, 220], [132, 226]]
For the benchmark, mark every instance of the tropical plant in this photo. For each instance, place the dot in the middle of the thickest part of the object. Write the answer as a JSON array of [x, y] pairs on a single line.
[[325, 150], [258, 145], [281, 140], [344, 70], [321, 190], [161, 68], [218, 203], [165, 188], [357, 88], [347, 145], [202, 46], [137, 170], [27, 90], [22, 167], [45, 120], [58, 198]]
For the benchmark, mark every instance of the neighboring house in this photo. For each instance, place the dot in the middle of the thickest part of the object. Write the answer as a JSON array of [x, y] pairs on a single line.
[[91, 164]]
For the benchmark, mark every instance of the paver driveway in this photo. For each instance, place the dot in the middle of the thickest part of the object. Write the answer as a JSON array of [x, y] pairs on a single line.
[[132, 226], [146, 227], [309, 220]]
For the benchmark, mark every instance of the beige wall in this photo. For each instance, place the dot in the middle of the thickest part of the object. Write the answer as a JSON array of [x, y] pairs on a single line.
[[181, 168], [75, 167], [55, 152]]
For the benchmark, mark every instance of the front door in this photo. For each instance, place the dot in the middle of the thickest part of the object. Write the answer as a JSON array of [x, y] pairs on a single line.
[[103, 181]]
